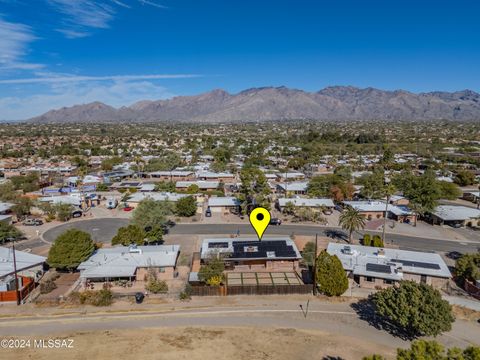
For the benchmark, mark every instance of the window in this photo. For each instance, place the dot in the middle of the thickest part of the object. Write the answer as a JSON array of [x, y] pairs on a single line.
[[161, 269], [386, 281], [369, 279]]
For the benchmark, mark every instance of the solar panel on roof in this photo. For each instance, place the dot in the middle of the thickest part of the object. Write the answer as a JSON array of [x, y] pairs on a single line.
[[379, 268], [218, 245], [418, 264]]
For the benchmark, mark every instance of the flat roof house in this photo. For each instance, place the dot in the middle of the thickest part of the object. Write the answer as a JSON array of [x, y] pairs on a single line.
[[130, 262], [372, 267], [202, 185], [134, 199], [224, 177], [29, 271], [285, 176], [174, 175], [455, 216], [316, 203], [249, 254], [376, 210], [298, 188], [223, 204]]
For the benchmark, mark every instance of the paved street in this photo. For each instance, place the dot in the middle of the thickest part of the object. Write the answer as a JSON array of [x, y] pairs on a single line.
[[103, 230]]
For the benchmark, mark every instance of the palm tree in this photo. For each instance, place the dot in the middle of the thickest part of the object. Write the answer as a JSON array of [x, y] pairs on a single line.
[[351, 220], [388, 191]]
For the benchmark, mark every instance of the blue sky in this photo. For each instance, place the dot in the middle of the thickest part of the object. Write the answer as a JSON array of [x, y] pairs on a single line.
[[56, 53]]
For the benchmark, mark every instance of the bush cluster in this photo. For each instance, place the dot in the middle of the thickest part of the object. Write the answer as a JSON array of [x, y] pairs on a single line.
[[102, 297]]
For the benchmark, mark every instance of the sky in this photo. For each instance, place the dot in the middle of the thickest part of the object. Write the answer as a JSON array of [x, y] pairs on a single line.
[[56, 53]]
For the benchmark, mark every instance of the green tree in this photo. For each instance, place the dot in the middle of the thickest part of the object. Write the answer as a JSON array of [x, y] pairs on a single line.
[[423, 191], [449, 191], [151, 213], [22, 207], [331, 277], [70, 249], [351, 220], [468, 267], [193, 189], [165, 186], [186, 206], [367, 240], [63, 211], [8, 231], [254, 189], [432, 350], [7, 192], [373, 185], [464, 178], [213, 268], [416, 308], [131, 234], [308, 253]]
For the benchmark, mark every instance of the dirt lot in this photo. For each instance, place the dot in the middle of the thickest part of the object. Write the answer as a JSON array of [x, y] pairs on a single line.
[[205, 343]]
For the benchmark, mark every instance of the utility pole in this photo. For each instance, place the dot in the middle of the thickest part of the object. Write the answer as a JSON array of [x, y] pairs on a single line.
[[17, 292], [315, 266]]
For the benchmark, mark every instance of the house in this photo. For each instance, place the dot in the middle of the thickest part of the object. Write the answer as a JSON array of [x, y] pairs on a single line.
[[372, 210], [29, 272], [297, 202], [287, 176], [73, 199], [116, 175], [5, 212], [223, 204], [130, 263], [473, 196], [374, 268], [202, 185], [455, 216], [298, 188], [174, 175], [224, 177], [249, 254], [135, 198], [398, 200]]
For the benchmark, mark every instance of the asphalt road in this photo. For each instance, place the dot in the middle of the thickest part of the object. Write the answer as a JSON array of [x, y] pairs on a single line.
[[103, 230]]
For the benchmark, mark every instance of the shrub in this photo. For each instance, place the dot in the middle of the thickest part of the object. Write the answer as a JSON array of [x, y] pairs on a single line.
[[70, 249], [156, 286], [186, 294], [102, 297], [213, 268], [377, 241], [47, 287], [367, 240]]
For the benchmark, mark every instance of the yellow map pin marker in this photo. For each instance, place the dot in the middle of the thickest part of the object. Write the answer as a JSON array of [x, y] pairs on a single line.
[[260, 219]]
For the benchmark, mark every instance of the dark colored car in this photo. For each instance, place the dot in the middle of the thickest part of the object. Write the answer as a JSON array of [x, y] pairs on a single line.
[[77, 213], [275, 221], [208, 213]]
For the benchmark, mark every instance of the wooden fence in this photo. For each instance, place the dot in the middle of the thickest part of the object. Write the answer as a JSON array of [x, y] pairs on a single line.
[[251, 290]]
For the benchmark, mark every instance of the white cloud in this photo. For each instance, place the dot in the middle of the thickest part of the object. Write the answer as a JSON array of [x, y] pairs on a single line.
[[95, 14], [77, 79], [14, 41], [118, 93]]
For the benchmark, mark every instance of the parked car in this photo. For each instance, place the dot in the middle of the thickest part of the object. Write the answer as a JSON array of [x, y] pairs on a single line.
[[127, 208], [208, 213], [327, 212], [77, 213], [275, 221], [32, 222], [456, 225]]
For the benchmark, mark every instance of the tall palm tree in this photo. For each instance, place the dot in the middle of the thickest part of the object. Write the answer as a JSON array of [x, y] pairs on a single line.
[[351, 220], [388, 191]]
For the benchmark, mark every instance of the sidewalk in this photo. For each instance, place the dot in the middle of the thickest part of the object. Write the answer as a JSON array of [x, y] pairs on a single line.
[[460, 301]]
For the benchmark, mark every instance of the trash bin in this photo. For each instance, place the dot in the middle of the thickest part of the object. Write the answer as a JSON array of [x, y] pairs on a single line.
[[139, 297]]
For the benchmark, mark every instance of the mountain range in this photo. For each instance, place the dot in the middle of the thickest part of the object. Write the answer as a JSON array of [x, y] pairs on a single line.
[[281, 103]]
